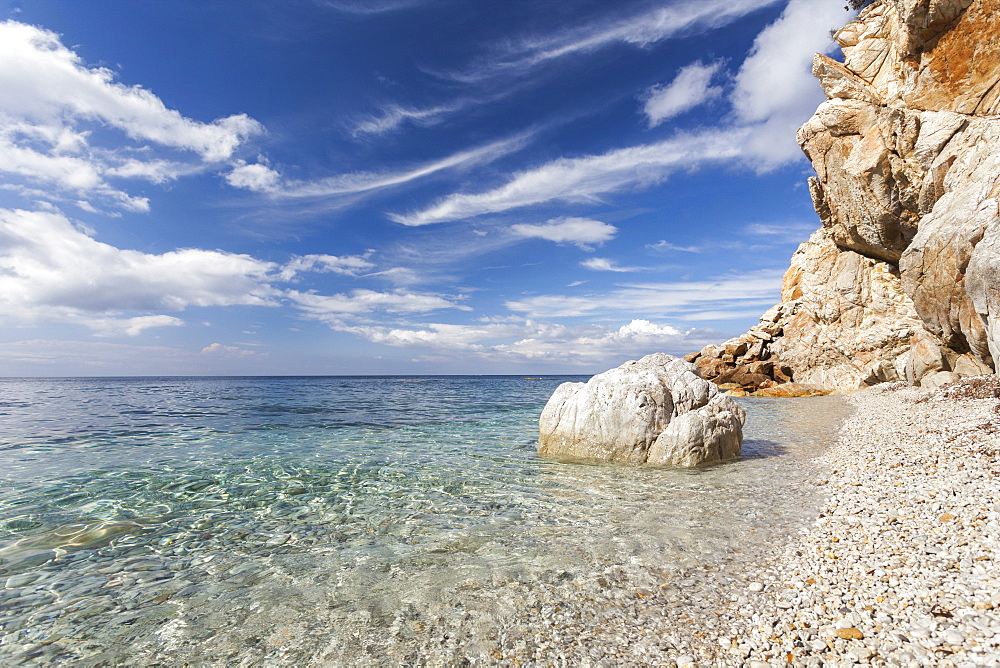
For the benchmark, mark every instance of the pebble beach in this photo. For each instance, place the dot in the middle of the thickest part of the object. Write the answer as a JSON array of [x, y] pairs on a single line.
[[900, 567]]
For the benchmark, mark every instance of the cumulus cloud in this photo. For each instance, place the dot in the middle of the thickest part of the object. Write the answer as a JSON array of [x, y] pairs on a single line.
[[43, 81], [433, 335], [636, 338], [582, 232], [256, 176], [585, 179], [689, 89], [52, 271], [50, 100], [775, 87]]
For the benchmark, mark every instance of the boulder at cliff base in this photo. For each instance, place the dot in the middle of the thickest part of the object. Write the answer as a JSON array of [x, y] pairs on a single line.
[[656, 411]]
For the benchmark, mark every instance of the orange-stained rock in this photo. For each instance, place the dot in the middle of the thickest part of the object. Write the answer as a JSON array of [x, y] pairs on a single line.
[[791, 390]]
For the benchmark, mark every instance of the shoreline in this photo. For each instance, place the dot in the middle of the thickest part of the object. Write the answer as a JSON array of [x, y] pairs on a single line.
[[871, 540], [898, 569]]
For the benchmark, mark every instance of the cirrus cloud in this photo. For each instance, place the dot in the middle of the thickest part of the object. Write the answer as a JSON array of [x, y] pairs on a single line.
[[585, 179]]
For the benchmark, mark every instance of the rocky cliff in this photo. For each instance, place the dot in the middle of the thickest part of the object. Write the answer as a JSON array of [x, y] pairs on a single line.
[[902, 280]]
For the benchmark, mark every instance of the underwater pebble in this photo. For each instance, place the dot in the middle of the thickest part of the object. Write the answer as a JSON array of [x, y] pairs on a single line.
[[20, 580]]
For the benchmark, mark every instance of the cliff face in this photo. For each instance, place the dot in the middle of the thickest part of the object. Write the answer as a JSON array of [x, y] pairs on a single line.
[[902, 281]]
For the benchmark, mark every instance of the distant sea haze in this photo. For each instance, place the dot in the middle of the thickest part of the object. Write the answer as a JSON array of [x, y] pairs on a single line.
[[342, 519]]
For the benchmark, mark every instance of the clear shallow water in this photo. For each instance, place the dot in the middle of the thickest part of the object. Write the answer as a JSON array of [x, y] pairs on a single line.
[[340, 520]]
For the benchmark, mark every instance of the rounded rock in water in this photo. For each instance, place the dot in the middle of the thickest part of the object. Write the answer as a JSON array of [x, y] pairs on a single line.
[[652, 411]]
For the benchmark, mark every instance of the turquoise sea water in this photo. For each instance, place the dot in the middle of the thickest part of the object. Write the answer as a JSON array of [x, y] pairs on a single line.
[[337, 520]]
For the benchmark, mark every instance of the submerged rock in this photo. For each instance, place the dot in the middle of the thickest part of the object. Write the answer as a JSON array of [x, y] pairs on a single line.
[[652, 411]]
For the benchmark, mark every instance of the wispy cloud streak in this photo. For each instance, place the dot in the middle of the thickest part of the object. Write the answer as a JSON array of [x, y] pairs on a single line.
[[394, 116], [639, 30], [724, 294], [264, 179], [587, 178], [372, 6]]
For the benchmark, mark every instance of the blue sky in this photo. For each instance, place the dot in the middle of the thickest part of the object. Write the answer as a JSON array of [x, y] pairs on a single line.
[[395, 186]]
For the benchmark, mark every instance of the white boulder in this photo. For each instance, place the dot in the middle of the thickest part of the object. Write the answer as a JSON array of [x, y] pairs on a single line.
[[656, 410]]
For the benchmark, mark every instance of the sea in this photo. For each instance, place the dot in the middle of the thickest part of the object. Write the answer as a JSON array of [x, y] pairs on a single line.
[[346, 520]]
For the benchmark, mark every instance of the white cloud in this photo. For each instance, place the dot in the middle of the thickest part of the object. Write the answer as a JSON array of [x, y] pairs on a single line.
[[52, 271], [365, 301], [662, 245], [775, 87], [130, 326], [584, 179], [400, 275], [435, 335], [50, 101], [347, 265], [690, 88], [370, 6], [535, 340], [639, 337], [604, 264], [43, 81], [394, 116], [219, 350], [255, 176], [676, 20], [789, 230], [725, 294], [582, 232], [47, 357], [261, 178], [516, 58]]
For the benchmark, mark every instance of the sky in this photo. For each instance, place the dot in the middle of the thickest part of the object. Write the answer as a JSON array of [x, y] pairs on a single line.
[[200, 187]]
